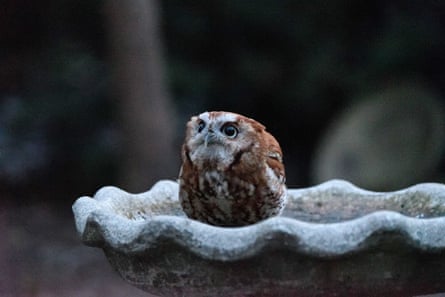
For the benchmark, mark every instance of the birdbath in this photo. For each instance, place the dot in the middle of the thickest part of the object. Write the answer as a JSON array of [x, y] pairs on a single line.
[[333, 239]]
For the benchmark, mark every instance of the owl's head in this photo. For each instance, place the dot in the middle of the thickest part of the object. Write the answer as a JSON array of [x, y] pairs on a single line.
[[220, 135]]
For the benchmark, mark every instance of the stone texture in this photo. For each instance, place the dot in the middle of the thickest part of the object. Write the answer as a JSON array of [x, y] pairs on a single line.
[[332, 240]]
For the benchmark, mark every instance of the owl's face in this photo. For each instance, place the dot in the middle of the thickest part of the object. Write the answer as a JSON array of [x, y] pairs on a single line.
[[220, 135]]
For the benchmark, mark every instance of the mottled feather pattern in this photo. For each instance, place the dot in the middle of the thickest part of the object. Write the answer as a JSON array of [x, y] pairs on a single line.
[[232, 172]]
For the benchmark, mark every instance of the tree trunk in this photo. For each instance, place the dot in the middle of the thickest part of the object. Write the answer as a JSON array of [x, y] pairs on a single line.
[[146, 113]]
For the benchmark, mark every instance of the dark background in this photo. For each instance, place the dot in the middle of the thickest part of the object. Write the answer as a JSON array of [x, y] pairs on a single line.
[[295, 66]]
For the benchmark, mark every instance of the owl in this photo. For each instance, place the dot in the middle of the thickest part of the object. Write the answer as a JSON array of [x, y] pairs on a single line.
[[232, 171]]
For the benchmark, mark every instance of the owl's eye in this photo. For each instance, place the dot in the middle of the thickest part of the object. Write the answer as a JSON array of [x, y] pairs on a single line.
[[201, 126], [230, 130]]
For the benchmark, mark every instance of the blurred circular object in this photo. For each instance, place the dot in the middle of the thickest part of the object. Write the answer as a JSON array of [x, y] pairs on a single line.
[[389, 140]]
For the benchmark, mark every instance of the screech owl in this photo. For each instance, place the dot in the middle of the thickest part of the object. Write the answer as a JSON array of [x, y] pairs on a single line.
[[232, 171]]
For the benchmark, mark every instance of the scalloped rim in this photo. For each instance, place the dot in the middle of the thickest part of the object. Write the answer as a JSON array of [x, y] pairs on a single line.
[[100, 226]]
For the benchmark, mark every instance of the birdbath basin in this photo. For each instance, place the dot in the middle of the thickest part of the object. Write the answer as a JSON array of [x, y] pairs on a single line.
[[333, 239]]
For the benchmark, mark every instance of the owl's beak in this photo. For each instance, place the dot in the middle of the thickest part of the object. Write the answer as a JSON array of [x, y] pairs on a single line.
[[209, 137]]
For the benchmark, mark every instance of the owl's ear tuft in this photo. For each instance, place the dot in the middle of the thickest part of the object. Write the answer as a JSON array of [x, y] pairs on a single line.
[[258, 127]]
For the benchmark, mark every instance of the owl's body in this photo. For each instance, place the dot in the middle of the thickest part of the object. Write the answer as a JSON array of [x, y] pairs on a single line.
[[232, 172]]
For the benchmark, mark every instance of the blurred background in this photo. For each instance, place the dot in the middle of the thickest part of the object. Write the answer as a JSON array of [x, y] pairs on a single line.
[[96, 93]]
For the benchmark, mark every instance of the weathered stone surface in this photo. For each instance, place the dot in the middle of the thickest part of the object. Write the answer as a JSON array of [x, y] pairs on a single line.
[[332, 240]]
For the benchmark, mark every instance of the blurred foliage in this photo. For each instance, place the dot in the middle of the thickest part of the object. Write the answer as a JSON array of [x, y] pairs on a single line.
[[55, 92], [292, 65]]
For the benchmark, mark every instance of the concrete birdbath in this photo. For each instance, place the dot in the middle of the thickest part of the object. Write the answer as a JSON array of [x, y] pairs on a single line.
[[333, 239]]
